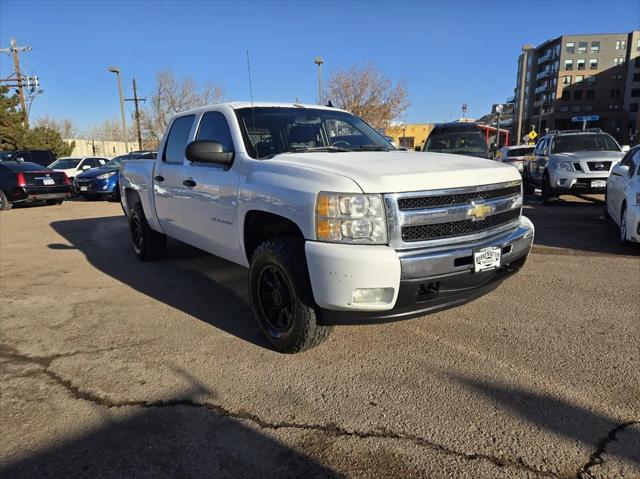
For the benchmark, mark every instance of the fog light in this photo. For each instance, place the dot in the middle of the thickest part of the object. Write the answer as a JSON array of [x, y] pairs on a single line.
[[373, 295]]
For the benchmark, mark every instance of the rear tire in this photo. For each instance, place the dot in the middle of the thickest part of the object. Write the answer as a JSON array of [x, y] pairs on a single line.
[[5, 204], [547, 192], [147, 243], [281, 298]]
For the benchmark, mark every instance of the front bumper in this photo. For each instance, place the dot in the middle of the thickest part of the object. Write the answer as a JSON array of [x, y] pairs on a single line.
[[34, 194], [95, 187], [578, 182], [423, 281]]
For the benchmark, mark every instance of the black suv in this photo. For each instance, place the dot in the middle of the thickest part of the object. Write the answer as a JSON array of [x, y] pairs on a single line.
[[40, 157]]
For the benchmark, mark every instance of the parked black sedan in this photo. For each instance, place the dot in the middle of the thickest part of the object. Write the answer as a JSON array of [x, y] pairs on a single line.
[[24, 182]]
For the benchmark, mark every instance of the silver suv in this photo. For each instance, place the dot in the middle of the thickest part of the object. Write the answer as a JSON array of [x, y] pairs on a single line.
[[571, 162]]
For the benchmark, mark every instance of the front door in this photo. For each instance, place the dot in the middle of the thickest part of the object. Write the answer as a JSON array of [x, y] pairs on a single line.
[[211, 205]]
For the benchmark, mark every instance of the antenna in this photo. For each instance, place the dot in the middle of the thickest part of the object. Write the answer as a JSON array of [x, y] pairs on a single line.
[[253, 112]]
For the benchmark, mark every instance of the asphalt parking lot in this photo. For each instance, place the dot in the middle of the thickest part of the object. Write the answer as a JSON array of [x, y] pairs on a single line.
[[116, 368]]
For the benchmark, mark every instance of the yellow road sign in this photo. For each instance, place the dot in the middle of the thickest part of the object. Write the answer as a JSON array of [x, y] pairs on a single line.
[[532, 134]]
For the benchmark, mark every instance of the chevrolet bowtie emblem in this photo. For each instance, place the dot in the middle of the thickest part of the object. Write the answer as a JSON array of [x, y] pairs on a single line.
[[479, 211]]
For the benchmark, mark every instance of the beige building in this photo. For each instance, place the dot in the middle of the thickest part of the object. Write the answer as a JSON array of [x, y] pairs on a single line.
[[107, 149], [574, 76], [409, 135]]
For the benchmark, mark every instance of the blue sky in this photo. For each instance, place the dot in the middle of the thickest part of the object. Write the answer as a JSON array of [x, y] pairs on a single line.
[[448, 53]]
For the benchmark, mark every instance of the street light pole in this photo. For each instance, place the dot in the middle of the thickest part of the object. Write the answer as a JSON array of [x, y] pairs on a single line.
[[523, 76], [116, 70], [319, 61]]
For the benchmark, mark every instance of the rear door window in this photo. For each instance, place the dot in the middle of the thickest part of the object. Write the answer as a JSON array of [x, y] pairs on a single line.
[[177, 140]]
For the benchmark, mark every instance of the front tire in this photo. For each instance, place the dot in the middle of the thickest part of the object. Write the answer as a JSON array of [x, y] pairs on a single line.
[[5, 204], [623, 226], [281, 298], [147, 243], [528, 188], [547, 191]]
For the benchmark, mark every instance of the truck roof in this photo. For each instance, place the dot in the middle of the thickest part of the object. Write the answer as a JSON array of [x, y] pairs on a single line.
[[236, 105]]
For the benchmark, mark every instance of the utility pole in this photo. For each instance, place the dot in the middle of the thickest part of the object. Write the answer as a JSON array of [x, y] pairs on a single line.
[[116, 70], [135, 101], [523, 77], [15, 50], [319, 61]]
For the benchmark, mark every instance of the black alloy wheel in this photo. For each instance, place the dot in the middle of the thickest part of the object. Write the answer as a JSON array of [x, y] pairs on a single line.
[[275, 299]]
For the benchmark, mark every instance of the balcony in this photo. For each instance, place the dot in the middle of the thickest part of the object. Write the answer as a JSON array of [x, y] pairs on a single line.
[[542, 88], [545, 58], [543, 74]]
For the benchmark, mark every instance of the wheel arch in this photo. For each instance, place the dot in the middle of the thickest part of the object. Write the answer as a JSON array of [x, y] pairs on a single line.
[[260, 226]]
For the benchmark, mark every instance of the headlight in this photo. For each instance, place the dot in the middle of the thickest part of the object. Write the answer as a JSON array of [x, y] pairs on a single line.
[[344, 218], [564, 165], [106, 175]]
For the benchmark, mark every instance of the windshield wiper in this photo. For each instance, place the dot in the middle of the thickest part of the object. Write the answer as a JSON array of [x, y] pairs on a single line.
[[329, 148], [372, 148]]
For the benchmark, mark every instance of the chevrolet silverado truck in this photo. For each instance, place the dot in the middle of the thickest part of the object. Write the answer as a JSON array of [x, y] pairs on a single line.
[[335, 225]]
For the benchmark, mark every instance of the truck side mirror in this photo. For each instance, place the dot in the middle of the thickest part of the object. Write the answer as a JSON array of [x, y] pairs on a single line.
[[207, 151]]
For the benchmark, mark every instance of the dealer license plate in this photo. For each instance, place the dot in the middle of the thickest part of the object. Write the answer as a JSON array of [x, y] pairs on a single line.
[[598, 184], [48, 181], [486, 259], [83, 188]]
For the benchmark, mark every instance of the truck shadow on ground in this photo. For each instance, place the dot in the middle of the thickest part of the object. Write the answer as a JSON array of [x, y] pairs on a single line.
[[575, 225], [174, 437], [201, 285], [562, 418]]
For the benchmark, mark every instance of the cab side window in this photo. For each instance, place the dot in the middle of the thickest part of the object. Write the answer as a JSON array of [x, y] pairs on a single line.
[[540, 146], [177, 140], [214, 127]]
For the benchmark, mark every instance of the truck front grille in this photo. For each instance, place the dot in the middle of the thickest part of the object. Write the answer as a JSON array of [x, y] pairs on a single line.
[[420, 202], [599, 165], [457, 228], [432, 218]]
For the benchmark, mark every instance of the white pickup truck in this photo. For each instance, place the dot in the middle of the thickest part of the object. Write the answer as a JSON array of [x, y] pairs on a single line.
[[335, 225]]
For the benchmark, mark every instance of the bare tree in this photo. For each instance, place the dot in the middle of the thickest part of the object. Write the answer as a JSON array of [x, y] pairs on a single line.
[[170, 96], [65, 126], [367, 92], [109, 130]]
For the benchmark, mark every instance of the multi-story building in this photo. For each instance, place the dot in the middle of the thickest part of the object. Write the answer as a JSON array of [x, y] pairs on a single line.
[[582, 75]]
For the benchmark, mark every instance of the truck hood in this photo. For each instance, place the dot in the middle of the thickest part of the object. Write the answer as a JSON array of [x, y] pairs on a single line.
[[402, 171], [591, 155]]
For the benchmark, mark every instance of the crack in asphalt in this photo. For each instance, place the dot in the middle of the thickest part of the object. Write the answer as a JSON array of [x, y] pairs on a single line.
[[595, 457], [8, 352]]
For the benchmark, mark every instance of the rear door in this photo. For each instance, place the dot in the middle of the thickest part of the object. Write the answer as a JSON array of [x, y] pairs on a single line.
[[168, 186], [210, 205]]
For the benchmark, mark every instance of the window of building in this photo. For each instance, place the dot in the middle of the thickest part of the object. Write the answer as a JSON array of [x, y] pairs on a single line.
[[577, 95], [618, 61], [638, 61], [617, 76], [614, 107], [588, 108], [636, 77], [590, 80], [590, 95], [557, 50], [638, 46], [633, 107], [595, 47], [575, 108], [565, 95], [581, 63], [568, 64], [529, 60], [579, 78], [571, 47], [621, 44], [615, 93], [635, 92], [593, 63], [566, 80], [554, 82], [582, 47], [564, 109]]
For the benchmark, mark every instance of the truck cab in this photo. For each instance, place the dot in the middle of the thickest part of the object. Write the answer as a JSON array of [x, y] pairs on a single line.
[[335, 224]]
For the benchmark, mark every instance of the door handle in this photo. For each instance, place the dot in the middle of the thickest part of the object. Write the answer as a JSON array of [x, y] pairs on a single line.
[[189, 183], [159, 178]]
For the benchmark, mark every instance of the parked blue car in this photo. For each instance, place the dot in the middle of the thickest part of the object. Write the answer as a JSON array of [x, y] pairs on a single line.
[[102, 183]]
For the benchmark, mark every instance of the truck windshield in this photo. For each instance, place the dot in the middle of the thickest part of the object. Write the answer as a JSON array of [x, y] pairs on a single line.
[[268, 131], [582, 142], [468, 143]]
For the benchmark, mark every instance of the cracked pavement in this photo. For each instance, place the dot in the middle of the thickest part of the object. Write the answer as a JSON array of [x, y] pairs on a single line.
[[115, 368]]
